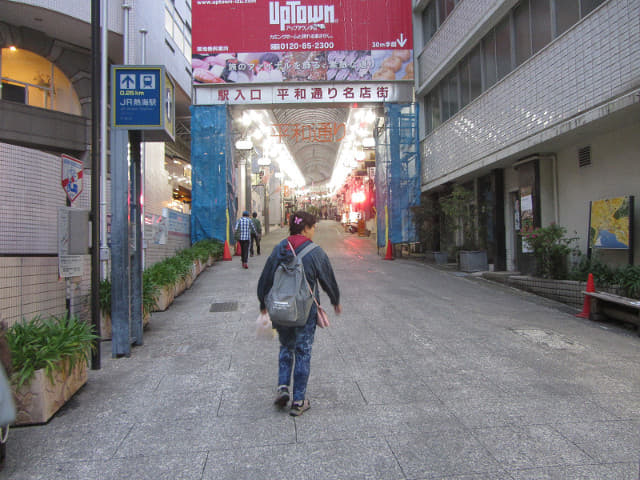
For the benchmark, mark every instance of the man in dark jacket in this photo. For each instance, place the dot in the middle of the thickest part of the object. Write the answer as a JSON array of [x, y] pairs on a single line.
[[256, 237]]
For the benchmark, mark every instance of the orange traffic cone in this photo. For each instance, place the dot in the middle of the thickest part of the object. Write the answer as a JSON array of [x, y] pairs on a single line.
[[586, 307], [238, 250], [226, 253], [389, 252]]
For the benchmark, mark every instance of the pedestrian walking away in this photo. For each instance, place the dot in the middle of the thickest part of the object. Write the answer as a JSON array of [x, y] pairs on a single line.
[[256, 237], [244, 229], [296, 342]]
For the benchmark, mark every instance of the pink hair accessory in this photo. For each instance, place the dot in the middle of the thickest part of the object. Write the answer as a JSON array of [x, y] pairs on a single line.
[[297, 220]]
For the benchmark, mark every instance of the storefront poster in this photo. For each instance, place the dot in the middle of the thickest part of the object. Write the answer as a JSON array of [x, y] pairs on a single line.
[[301, 41], [526, 217]]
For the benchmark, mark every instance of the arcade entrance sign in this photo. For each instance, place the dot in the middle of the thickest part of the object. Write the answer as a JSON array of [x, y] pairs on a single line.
[[302, 94], [301, 41]]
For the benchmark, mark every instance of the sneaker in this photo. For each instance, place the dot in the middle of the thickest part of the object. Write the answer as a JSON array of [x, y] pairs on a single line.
[[244, 265], [282, 396], [298, 408]]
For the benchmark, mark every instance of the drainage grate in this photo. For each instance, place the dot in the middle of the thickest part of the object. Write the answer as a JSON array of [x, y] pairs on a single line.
[[224, 307]]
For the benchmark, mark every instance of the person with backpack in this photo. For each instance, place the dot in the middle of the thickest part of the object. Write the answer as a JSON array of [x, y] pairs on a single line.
[[296, 341]]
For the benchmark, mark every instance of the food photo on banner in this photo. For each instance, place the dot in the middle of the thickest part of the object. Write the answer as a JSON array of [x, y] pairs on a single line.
[[302, 41]]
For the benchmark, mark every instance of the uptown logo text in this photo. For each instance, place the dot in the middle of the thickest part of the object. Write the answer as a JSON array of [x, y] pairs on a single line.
[[294, 13]]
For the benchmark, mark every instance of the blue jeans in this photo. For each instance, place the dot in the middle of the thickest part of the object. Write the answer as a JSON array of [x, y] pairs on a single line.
[[296, 342]]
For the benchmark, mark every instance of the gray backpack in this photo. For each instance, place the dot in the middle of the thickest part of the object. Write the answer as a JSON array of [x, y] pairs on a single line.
[[289, 300]]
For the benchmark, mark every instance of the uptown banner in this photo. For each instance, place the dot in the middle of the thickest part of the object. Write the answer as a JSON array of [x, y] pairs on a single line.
[[257, 41]]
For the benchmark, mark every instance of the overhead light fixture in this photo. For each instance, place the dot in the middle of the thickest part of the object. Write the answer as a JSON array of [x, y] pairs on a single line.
[[244, 145], [368, 142], [279, 175], [359, 155], [264, 161]]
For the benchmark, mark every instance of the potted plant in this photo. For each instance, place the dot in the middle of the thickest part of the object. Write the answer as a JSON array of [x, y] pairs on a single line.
[[460, 218], [425, 218], [551, 250], [49, 363]]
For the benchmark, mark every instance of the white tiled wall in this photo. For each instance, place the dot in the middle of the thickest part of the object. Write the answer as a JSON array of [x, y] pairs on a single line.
[[595, 61], [31, 193], [463, 27]]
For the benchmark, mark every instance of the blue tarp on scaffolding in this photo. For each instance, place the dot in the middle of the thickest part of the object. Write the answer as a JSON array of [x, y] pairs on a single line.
[[398, 173], [212, 174]]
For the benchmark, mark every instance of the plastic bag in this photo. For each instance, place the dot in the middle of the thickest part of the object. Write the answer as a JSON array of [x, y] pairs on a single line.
[[264, 328], [323, 319]]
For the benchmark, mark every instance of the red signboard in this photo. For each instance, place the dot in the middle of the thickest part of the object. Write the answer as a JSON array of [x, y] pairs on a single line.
[[241, 41]]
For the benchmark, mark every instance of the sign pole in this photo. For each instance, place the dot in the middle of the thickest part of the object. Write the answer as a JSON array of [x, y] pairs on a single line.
[[120, 298], [136, 240], [95, 180]]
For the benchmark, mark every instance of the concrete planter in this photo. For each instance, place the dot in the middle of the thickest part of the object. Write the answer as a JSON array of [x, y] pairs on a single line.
[[164, 298], [473, 261], [188, 280], [179, 287], [105, 325], [40, 399]]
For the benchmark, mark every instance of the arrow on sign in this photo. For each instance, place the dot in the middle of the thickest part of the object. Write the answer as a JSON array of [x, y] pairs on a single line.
[[402, 40], [126, 81]]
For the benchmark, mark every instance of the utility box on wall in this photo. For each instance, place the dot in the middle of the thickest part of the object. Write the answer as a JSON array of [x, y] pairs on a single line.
[[73, 240]]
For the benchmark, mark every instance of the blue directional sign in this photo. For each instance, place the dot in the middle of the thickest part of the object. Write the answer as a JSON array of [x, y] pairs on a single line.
[[142, 98]]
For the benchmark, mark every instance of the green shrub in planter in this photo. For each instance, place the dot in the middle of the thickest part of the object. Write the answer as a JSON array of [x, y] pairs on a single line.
[[213, 247], [105, 296], [48, 344], [183, 263], [149, 293], [163, 274], [629, 280]]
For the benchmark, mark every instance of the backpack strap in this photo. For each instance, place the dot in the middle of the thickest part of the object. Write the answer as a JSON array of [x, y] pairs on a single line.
[[306, 250]]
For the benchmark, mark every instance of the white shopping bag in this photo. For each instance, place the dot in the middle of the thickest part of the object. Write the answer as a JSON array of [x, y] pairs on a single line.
[[264, 328]]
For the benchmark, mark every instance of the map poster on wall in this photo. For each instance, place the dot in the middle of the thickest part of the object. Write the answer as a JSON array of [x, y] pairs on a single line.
[[610, 222]]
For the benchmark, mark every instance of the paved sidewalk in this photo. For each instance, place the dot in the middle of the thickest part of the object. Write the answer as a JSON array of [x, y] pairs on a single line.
[[426, 375]]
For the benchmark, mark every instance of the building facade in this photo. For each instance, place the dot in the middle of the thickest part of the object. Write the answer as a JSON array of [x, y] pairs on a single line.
[[534, 105], [45, 111]]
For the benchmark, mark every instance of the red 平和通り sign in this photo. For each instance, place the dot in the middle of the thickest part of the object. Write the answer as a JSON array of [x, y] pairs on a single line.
[[242, 41]]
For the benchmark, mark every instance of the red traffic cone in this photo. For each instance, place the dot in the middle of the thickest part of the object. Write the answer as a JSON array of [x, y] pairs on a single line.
[[238, 250], [389, 252], [226, 253], [586, 306]]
